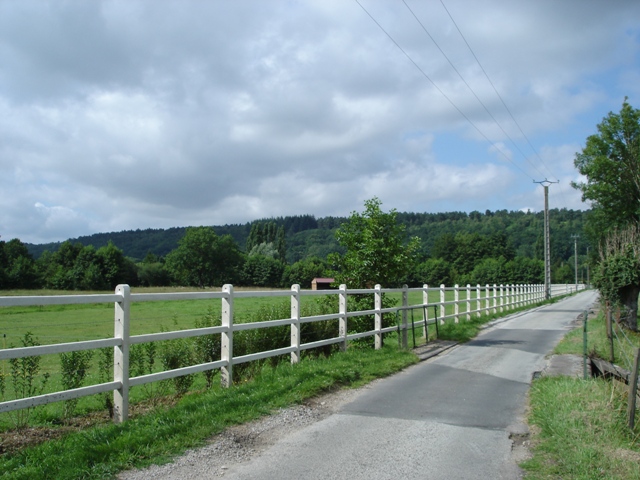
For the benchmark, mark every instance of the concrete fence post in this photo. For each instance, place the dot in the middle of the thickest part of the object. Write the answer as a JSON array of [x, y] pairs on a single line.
[[121, 355], [456, 305], [226, 342], [478, 300], [295, 323], [501, 298], [425, 310], [487, 303], [342, 326], [443, 311], [405, 303], [495, 298], [468, 302], [377, 305]]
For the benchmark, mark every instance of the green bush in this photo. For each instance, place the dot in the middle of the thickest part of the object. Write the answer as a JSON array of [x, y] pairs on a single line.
[[24, 379], [74, 367]]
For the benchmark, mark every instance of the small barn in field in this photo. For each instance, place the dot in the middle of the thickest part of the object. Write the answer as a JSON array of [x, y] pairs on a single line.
[[320, 283]]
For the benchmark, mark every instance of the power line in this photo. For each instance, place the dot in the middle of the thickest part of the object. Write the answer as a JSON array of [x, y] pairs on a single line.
[[495, 89], [424, 74], [486, 109]]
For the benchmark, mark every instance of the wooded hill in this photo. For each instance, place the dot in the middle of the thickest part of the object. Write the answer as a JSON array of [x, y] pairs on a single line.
[[307, 236]]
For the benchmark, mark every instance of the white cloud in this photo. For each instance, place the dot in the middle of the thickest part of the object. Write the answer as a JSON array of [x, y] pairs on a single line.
[[120, 115]]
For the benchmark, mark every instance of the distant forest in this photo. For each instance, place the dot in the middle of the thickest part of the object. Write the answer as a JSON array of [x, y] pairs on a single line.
[[307, 236], [456, 248]]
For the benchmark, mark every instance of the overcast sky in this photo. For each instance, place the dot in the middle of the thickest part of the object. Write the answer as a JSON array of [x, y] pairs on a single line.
[[118, 115]]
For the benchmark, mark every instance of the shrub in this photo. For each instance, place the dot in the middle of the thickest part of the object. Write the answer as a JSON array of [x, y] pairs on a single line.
[[74, 369], [24, 379]]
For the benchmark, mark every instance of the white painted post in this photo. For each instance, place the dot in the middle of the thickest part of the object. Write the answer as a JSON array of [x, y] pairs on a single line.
[[377, 305], [501, 298], [456, 306], [295, 323], [226, 347], [443, 311], [495, 298], [487, 302], [425, 311], [405, 323], [521, 296], [478, 300], [121, 355], [468, 302], [342, 327]]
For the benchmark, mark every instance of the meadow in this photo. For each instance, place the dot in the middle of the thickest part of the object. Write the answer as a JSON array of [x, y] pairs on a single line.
[[70, 323]]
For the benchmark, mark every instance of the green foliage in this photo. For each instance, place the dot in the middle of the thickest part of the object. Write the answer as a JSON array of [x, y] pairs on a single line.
[[304, 271], [376, 249], [618, 274], [102, 451], [207, 347], [153, 274], [610, 161], [105, 375], [74, 367], [262, 271], [478, 235], [25, 379], [203, 259], [17, 266], [175, 354], [433, 272], [264, 234], [580, 430]]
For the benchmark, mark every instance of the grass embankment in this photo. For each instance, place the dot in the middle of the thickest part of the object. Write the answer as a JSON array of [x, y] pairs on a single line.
[[102, 451], [579, 427]]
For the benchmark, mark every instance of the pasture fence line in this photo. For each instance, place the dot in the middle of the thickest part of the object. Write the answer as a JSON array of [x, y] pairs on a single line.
[[486, 299]]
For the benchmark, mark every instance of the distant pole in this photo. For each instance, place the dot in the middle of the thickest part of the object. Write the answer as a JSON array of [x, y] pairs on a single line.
[[547, 242], [575, 255]]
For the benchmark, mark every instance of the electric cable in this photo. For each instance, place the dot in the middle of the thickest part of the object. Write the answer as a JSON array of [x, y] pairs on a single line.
[[496, 90], [493, 144], [486, 109]]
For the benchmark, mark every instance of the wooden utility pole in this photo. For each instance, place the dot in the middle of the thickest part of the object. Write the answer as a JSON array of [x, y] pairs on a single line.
[[547, 242], [575, 256]]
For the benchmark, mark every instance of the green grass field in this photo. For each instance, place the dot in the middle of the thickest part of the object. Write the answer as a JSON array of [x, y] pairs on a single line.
[[70, 323]]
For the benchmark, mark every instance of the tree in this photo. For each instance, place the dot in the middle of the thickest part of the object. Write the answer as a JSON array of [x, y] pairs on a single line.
[[304, 271], [610, 161], [617, 276], [116, 268], [377, 251], [17, 266], [203, 259], [262, 271]]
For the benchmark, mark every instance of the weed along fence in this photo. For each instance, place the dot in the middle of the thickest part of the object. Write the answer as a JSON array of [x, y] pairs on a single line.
[[430, 305]]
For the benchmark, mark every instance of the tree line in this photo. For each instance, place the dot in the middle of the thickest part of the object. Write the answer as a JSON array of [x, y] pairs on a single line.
[[455, 247]]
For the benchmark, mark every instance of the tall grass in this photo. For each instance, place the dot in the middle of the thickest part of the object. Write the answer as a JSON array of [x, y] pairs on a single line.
[[102, 451], [579, 427]]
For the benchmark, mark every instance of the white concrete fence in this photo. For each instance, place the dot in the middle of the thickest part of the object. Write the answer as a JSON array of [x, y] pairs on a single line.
[[467, 301]]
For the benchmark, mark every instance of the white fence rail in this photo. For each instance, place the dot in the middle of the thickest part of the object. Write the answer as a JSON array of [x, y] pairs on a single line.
[[467, 301]]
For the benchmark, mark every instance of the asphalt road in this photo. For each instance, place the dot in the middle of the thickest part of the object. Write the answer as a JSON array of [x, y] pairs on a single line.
[[447, 418]]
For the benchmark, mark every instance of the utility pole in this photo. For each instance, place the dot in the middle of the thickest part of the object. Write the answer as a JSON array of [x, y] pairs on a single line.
[[575, 256], [547, 242], [588, 279]]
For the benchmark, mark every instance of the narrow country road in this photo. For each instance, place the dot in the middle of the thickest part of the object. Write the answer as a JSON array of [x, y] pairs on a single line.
[[447, 418]]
